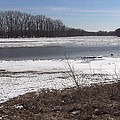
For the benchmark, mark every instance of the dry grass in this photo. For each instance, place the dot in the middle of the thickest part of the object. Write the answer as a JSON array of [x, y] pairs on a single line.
[[100, 102]]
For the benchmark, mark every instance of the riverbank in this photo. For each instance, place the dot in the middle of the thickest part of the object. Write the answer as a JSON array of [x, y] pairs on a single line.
[[20, 77], [99, 102]]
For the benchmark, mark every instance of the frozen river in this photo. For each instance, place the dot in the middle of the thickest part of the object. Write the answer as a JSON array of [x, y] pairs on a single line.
[[20, 74], [52, 48]]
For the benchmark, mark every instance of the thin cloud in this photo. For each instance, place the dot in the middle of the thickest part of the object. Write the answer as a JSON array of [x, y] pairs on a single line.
[[59, 8], [74, 11], [89, 14], [65, 9], [76, 2]]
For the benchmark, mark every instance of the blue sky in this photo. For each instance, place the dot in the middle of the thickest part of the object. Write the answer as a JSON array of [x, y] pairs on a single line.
[[91, 15]]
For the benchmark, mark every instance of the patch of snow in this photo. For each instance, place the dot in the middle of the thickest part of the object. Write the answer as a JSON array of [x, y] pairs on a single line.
[[18, 106], [75, 112], [4, 116], [1, 106]]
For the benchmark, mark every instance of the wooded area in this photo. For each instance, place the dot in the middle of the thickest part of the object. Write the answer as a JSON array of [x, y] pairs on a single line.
[[14, 24]]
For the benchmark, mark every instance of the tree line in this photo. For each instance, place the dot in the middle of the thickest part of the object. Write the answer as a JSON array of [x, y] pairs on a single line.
[[14, 24], [117, 32], [17, 24]]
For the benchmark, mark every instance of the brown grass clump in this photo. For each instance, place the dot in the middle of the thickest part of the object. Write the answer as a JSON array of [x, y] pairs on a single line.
[[100, 102]]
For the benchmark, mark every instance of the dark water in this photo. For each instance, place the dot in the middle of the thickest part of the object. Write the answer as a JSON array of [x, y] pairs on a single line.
[[56, 52]]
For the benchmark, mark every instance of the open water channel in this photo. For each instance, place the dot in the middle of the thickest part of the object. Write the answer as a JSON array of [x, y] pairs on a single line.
[[57, 52]]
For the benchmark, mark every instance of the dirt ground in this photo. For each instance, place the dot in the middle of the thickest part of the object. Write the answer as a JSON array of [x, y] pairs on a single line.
[[99, 102]]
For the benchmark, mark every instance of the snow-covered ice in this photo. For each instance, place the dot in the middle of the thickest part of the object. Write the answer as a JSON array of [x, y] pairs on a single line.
[[60, 41], [19, 77]]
